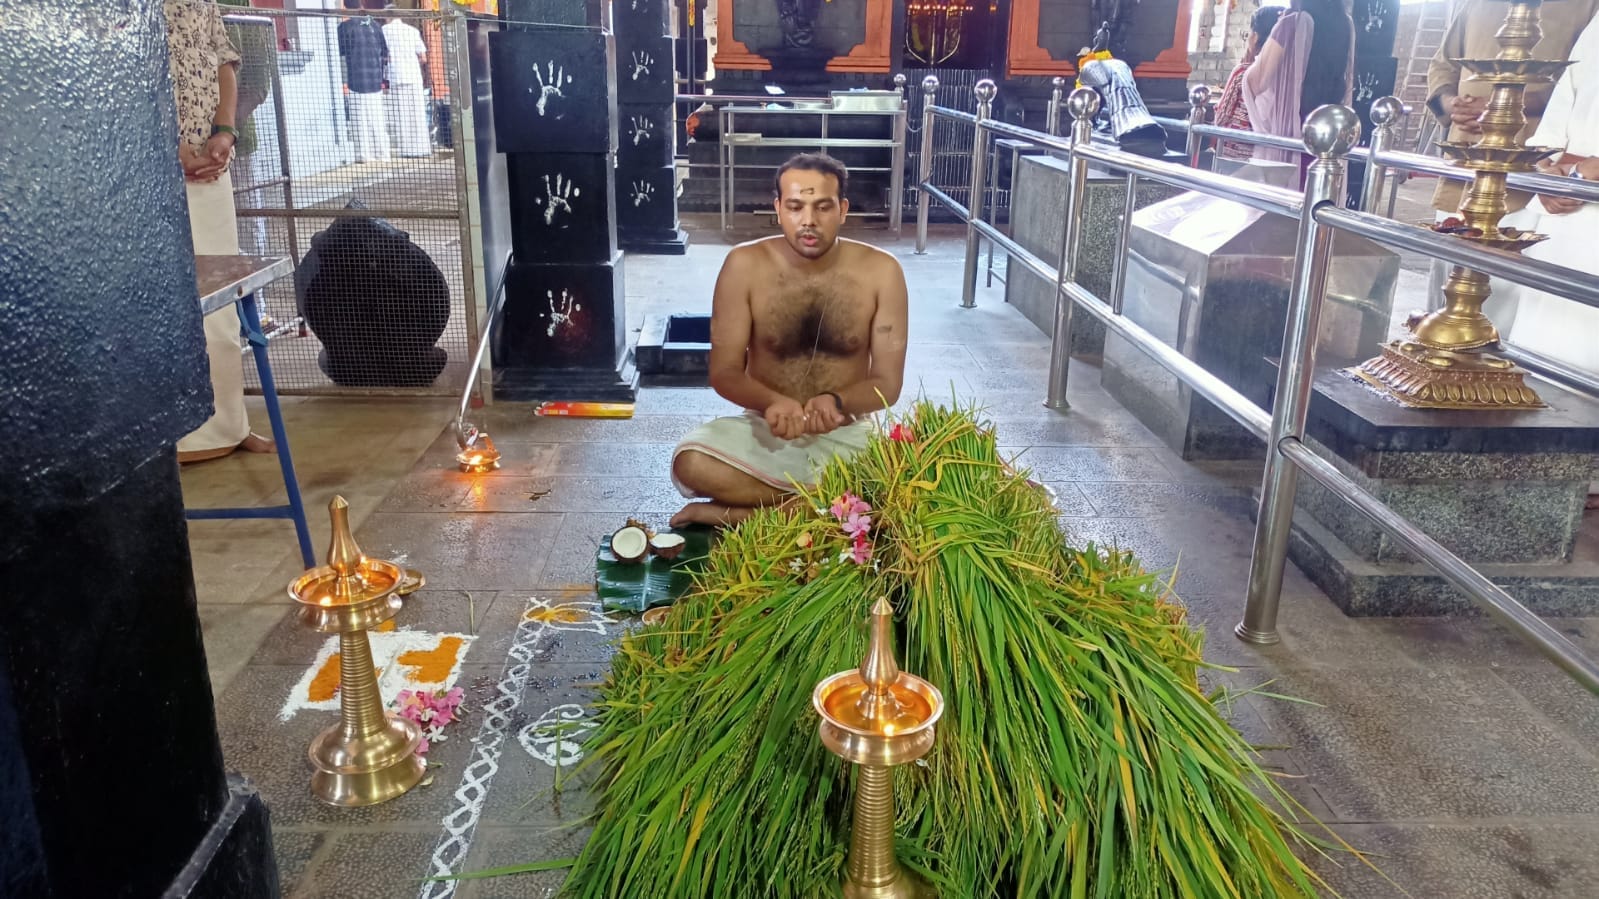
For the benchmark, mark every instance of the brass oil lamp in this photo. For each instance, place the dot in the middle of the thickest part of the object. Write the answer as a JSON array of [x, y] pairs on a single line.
[[877, 717], [370, 756], [1448, 362]]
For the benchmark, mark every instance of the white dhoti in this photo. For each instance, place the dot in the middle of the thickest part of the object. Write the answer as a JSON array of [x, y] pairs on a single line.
[[1542, 323], [746, 443], [215, 232], [367, 127], [408, 120]]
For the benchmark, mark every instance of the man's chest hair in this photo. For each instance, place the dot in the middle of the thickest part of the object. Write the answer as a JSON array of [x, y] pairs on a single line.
[[828, 315]]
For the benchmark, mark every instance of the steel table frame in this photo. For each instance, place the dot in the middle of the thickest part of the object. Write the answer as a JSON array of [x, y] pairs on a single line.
[[233, 281]]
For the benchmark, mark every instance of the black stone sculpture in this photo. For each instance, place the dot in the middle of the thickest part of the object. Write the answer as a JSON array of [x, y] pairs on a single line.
[[798, 20], [1112, 14], [377, 302]]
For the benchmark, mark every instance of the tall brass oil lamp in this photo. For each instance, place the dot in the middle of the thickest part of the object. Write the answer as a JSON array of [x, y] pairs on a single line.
[[1448, 362], [370, 755], [877, 717]]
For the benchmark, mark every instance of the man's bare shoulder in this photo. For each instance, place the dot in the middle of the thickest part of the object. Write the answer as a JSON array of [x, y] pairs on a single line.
[[873, 260], [750, 255]]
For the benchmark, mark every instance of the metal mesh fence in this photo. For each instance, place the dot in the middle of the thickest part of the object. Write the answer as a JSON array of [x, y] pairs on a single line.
[[952, 141], [357, 172]]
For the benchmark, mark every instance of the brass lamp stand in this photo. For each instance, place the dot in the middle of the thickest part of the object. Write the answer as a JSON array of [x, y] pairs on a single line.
[[370, 755], [877, 717], [1448, 363]]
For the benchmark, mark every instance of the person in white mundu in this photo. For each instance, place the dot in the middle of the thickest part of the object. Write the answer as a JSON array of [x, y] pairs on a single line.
[[366, 54], [406, 105]]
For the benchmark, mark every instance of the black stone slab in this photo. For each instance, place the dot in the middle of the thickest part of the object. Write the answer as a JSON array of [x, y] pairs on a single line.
[[642, 17], [553, 90], [645, 199], [644, 69], [529, 13], [674, 345], [1353, 419], [647, 213], [111, 770], [646, 133], [563, 206], [562, 316]]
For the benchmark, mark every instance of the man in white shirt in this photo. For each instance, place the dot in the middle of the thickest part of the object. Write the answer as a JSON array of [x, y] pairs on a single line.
[[407, 105]]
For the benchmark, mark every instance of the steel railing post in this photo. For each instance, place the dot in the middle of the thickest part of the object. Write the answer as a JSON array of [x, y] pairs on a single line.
[[1118, 272], [1057, 96], [896, 204], [1387, 117], [924, 163], [985, 91], [1198, 114], [1330, 133], [1083, 104]]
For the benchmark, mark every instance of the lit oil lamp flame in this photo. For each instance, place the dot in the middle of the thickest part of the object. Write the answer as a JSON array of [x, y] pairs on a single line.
[[480, 457]]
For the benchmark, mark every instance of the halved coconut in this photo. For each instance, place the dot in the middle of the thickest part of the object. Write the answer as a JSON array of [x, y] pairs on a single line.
[[667, 546], [630, 544]]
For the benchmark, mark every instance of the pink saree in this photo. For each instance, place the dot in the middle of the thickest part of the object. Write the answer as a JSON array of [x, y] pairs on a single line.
[[1274, 81]]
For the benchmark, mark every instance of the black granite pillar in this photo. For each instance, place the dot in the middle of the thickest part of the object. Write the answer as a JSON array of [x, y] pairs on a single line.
[[111, 776], [1376, 26], [562, 332], [646, 178]]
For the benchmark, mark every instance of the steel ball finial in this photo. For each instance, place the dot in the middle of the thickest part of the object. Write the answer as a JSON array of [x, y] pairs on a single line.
[[1198, 96], [899, 80], [986, 90], [1385, 110], [1058, 82], [1083, 103], [1331, 130], [930, 85]]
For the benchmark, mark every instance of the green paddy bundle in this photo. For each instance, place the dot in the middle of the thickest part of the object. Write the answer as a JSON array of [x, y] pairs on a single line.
[[1077, 755]]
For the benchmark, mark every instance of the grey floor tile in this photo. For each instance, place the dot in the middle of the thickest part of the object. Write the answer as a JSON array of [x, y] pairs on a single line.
[[232, 634], [1414, 743], [1566, 705], [475, 552], [1525, 860], [638, 460], [377, 864], [1124, 499], [295, 850], [496, 847], [587, 493], [515, 423], [573, 552], [1080, 463]]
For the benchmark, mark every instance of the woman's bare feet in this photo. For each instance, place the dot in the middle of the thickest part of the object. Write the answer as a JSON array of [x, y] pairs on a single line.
[[255, 443], [714, 515]]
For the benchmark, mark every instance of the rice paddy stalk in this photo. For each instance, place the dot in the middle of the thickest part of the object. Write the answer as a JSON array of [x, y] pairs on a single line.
[[1077, 755]]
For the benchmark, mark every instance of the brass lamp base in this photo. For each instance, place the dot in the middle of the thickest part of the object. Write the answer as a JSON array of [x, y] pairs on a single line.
[[353, 773], [873, 872], [1425, 378]]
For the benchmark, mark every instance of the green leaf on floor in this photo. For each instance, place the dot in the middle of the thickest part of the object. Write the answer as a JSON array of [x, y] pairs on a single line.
[[655, 582]]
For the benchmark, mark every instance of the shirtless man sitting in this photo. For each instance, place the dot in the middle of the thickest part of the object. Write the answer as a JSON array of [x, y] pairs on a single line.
[[808, 336]]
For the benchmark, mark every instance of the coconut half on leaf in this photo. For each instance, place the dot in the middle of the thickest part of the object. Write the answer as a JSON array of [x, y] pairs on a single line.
[[667, 546], [630, 544]]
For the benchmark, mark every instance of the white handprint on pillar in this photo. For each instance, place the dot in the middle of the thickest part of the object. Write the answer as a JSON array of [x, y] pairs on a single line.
[[642, 192], [642, 126], [558, 196], [641, 63], [561, 311], [550, 82]]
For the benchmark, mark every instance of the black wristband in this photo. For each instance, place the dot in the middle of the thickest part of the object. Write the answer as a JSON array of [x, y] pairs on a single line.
[[837, 401]]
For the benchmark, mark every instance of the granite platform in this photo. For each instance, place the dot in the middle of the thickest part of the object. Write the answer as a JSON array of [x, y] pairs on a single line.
[[1038, 223], [1504, 490]]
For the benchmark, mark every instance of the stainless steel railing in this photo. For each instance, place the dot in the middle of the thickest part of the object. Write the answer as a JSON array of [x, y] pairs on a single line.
[[1330, 135]]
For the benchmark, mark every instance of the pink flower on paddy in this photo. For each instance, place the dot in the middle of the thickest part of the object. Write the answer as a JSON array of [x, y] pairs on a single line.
[[901, 434], [847, 505], [860, 550], [857, 525]]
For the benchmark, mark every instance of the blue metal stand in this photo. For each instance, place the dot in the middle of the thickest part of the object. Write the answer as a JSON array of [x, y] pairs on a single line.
[[295, 510]]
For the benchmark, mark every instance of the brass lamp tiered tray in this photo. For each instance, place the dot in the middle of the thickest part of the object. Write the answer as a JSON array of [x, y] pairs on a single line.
[[1448, 362], [370, 755], [877, 717]]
